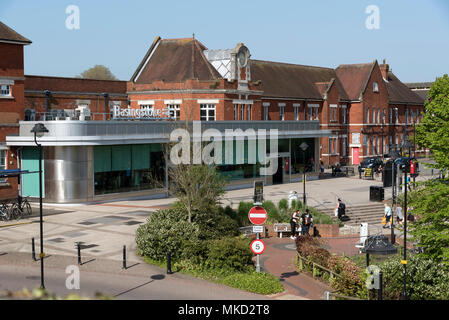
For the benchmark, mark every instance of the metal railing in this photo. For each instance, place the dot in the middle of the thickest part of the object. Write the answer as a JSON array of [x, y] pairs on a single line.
[[315, 266], [328, 296]]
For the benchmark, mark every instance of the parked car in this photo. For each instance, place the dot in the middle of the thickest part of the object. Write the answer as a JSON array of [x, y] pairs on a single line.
[[374, 163]]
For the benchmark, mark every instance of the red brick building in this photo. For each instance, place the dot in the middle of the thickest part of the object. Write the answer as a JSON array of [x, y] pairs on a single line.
[[359, 110], [11, 100], [364, 105]]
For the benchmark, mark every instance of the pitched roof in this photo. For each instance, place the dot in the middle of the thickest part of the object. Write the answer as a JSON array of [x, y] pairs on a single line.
[[354, 78], [174, 60], [398, 92], [8, 34], [293, 81]]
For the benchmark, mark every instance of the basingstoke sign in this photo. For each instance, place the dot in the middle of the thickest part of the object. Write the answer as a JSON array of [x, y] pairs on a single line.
[[145, 112]]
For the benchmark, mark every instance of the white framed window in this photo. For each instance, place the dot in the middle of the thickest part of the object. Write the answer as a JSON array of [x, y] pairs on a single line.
[[174, 111], [333, 141], [343, 113], [248, 109], [242, 112], [3, 163], [406, 116], [296, 112], [333, 112], [265, 113], [374, 115], [236, 111], [281, 113], [313, 111], [207, 112], [5, 90], [367, 115], [375, 87]]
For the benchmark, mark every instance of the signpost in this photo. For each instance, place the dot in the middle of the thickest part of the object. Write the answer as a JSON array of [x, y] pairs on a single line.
[[257, 247], [257, 215]]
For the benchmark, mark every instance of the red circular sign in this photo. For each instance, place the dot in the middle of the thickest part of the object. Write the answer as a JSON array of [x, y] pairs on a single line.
[[257, 215], [257, 246]]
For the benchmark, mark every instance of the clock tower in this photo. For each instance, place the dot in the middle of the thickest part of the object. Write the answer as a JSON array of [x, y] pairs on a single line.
[[241, 55]]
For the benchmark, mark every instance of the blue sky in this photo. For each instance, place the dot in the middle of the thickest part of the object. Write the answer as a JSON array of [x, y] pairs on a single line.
[[413, 34]]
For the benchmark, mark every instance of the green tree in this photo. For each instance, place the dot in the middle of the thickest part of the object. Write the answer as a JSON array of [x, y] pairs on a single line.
[[98, 72], [433, 131], [431, 231], [198, 187]]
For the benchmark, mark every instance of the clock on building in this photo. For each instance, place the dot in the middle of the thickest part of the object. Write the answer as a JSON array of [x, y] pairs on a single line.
[[242, 57]]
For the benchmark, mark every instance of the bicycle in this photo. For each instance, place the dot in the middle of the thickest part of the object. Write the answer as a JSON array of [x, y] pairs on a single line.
[[15, 212], [24, 206], [4, 212]]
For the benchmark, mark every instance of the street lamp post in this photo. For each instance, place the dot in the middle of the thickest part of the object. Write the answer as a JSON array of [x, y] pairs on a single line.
[[39, 129], [405, 144], [304, 147]]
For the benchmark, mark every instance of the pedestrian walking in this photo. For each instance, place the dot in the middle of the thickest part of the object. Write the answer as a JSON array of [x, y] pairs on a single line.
[[322, 166], [387, 215], [341, 209], [306, 221], [293, 224], [399, 217]]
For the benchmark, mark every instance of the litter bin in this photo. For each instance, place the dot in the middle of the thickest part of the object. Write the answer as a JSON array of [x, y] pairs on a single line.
[[376, 193]]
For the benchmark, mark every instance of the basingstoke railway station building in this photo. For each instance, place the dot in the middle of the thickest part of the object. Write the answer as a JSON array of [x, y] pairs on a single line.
[[109, 138]]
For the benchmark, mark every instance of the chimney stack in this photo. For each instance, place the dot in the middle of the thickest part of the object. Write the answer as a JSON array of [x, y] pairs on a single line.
[[384, 68]]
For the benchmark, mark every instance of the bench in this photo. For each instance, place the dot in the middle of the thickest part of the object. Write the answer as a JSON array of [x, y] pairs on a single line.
[[349, 171], [284, 227]]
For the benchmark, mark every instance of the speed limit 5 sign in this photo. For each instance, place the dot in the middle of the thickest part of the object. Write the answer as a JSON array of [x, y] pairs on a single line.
[[257, 246]]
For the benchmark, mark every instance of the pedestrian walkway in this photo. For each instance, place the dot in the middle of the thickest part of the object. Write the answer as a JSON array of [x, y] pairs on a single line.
[[278, 259]]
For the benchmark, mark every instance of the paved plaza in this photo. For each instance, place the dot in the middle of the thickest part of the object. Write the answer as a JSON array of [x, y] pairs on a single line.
[[104, 228]]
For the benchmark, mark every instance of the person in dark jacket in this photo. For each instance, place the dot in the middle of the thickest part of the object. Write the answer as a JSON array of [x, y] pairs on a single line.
[[306, 221]]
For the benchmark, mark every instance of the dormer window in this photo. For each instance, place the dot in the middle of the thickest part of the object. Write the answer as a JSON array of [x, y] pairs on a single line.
[[375, 87]]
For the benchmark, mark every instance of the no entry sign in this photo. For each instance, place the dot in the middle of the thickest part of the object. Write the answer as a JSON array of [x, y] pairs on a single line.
[[257, 246], [257, 215]]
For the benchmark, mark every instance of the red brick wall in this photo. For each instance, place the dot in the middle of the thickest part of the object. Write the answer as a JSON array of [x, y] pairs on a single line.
[[11, 61], [11, 109]]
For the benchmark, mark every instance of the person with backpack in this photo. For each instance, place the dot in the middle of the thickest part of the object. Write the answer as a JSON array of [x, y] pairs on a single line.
[[341, 209], [306, 221]]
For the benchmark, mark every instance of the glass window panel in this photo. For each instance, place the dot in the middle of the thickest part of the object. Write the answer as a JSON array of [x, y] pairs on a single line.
[[121, 158]]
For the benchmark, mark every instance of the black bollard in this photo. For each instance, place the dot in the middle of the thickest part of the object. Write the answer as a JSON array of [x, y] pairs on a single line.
[[33, 250], [124, 257], [379, 293], [79, 252], [169, 263]]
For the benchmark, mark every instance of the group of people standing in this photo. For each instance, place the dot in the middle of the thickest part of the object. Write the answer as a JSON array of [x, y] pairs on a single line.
[[399, 216], [306, 221]]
